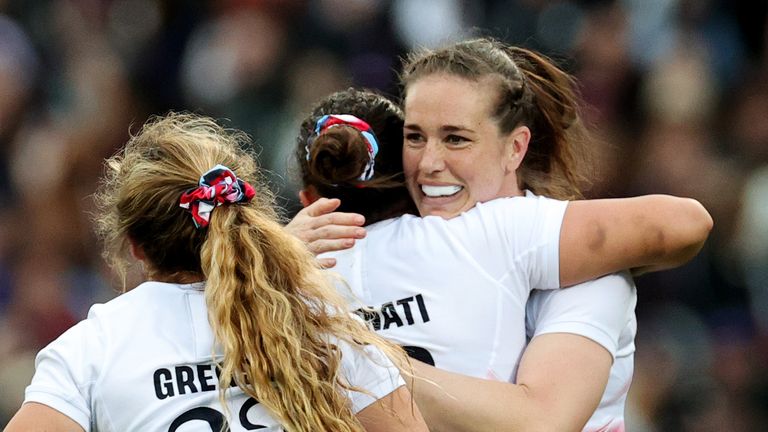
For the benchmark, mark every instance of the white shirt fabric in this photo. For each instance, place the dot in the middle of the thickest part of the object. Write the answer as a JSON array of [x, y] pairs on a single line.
[[457, 289], [143, 362], [604, 311]]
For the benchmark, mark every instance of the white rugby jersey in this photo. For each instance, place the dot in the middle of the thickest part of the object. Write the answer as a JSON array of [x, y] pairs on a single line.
[[604, 311], [455, 290], [143, 362]]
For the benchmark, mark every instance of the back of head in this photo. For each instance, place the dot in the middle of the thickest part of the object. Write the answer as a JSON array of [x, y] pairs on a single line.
[[139, 197], [270, 307], [334, 161], [533, 92]]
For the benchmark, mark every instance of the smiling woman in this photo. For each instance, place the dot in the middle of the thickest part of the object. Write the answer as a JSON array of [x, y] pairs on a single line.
[[453, 292], [447, 136], [506, 109], [484, 121]]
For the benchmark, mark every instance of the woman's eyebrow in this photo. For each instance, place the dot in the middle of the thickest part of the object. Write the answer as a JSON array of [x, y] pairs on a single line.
[[445, 128], [459, 128], [412, 127]]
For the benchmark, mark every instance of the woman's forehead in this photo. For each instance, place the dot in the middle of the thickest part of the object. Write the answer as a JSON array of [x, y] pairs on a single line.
[[450, 96]]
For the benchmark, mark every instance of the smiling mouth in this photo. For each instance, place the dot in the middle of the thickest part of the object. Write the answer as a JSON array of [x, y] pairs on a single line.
[[440, 191]]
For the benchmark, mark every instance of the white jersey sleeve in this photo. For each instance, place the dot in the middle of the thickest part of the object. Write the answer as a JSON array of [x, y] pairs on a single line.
[[368, 369], [602, 310], [65, 373], [599, 310]]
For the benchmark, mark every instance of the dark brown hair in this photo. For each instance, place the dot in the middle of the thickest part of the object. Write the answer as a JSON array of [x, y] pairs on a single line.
[[338, 156], [532, 91]]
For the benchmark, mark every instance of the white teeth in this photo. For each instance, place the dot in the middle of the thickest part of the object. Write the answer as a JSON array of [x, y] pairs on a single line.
[[438, 191]]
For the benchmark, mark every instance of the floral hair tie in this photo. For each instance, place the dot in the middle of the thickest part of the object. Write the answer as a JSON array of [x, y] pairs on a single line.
[[217, 186], [328, 121]]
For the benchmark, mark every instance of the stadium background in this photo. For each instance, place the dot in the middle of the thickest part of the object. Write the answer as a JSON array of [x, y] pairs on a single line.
[[678, 90]]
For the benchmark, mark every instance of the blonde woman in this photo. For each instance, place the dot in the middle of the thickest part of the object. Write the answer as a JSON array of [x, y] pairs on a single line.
[[235, 327]]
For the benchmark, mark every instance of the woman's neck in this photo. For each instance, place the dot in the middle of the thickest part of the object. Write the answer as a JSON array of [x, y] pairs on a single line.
[[181, 278]]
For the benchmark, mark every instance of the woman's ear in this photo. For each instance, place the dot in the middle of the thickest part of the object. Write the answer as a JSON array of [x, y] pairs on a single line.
[[137, 251], [516, 147], [308, 196]]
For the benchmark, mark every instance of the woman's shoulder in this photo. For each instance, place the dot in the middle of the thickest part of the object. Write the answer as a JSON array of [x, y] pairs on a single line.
[[501, 213], [141, 304], [500, 209]]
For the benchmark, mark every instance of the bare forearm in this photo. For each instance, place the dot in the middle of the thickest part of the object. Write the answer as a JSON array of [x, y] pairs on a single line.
[[453, 402], [466, 404], [393, 412]]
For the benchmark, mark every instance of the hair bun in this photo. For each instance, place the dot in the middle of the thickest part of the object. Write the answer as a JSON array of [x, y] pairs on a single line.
[[339, 155]]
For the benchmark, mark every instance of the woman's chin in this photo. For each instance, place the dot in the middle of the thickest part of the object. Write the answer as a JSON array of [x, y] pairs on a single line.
[[444, 207]]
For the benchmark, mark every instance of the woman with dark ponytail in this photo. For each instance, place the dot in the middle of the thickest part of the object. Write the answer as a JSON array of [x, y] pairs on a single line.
[[483, 122], [235, 329]]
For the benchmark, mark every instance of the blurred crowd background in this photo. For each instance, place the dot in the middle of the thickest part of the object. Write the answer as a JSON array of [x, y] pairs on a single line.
[[677, 89]]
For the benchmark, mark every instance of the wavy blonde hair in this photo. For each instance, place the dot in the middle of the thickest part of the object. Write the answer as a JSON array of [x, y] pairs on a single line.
[[271, 308]]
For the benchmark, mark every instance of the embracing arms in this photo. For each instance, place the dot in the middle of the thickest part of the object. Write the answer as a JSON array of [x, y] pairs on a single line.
[[645, 233], [598, 237], [562, 376], [555, 392]]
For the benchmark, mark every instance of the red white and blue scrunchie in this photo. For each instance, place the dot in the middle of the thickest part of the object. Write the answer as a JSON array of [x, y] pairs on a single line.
[[327, 121], [217, 186]]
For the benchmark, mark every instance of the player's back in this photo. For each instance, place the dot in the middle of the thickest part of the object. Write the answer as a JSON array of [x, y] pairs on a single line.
[[144, 362], [454, 291]]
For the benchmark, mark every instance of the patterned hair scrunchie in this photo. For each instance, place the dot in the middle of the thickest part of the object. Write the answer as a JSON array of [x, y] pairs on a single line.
[[217, 186], [328, 121]]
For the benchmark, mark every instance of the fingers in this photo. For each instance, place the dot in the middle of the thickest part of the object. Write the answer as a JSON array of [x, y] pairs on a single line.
[[325, 245], [321, 213], [336, 219], [333, 232], [321, 206], [325, 230], [326, 263]]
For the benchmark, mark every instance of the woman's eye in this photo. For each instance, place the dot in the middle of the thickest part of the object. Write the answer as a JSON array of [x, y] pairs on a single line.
[[413, 137], [455, 139]]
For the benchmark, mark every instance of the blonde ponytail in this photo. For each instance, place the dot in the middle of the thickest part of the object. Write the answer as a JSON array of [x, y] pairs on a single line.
[[272, 310]]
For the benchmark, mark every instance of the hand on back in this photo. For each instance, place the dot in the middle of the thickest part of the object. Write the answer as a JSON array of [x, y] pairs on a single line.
[[325, 230]]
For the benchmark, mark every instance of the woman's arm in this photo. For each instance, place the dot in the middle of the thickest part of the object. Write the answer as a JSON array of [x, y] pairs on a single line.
[[35, 417], [652, 232], [562, 374], [393, 412], [555, 391]]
